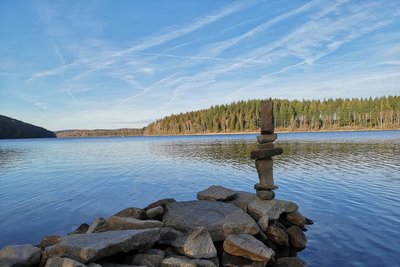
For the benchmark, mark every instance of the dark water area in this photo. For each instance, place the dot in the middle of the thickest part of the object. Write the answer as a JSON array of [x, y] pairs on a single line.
[[347, 182]]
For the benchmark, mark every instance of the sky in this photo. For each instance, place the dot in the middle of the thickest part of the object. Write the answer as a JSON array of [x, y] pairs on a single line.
[[116, 64]]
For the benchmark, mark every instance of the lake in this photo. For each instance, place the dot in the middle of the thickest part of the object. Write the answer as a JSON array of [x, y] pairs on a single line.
[[347, 182]]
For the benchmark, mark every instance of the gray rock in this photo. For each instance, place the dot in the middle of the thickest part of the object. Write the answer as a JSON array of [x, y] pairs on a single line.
[[82, 229], [63, 262], [263, 223], [266, 194], [267, 117], [19, 256], [93, 265], [259, 186], [247, 246], [50, 240], [196, 244], [168, 235], [216, 193], [290, 262], [229, 260], [220, 219], [265, 153], [89, 247], [121, 223], [265, 171], [143, 259], [171, 252], [206, 263], [243, 199], [99, 225], [266, 138], [271, 208], [177, 262], [277, 235], [297, 238], [112, 264], [265, 146], [155, 212], [156, 251], [295, 218], [132, 213], [161, 202]]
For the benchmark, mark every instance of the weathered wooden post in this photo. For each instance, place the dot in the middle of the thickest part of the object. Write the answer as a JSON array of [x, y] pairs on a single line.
[[264, 152]]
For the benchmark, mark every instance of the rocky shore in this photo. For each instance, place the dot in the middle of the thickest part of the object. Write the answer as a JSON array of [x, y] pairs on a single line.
[[222, 228]]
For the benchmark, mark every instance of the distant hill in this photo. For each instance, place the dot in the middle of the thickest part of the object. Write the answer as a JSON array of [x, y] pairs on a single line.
[[15, 129], [99, 132]]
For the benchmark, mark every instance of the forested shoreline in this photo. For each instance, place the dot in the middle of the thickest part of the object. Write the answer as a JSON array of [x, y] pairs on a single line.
[[290, 115]]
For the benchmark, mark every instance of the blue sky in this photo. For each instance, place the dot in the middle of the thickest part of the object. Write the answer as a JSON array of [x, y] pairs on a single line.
[[113, 64]]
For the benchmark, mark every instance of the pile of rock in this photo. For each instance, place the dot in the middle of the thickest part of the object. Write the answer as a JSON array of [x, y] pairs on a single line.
[[222, 228]]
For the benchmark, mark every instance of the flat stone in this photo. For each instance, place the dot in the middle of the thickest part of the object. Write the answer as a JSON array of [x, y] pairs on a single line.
[[143, 259], [263, 223], [265, 194], [155, 212], [89, 247], [63, 262], [265, 146], [271, 208], [50, 240], [177, 262], [220, 219], [19, 255], [266, 138], [266, 153], [196, 244], [242, 199], [161, 202], [217, 193], [259, 186], [290, 262], [132, 213], [247, 246], [82, 229], [229, 260], [297, 238], [121, 223], [168, 235], [277, 235], [267, 117], [98, 225]]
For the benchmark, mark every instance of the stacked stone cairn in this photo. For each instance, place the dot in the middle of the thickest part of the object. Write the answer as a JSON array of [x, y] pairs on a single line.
[[222, 227]]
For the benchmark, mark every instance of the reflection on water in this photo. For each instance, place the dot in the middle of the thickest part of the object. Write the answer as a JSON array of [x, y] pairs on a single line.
[[347, 182]]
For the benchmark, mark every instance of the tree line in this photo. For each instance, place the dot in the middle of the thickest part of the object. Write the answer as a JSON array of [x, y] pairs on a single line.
[[290, 115]]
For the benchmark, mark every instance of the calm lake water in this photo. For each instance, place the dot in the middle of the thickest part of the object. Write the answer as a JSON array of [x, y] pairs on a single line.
[[347, 182]]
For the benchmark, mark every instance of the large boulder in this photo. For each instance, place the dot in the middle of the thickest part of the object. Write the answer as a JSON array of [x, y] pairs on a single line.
[[89, 247], [247, 246], [19, 256], [216, 193], [196, 244], [126, 223], [271, 208], [63, 262], [218, 218], [243, 199]]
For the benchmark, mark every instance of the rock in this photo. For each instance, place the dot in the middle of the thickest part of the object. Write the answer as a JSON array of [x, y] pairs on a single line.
[[266, 138], [143, 259], [121, 223], [216, 193], [242, 199], [112, 264], [82, 229], [267, 117], [265, 153], [265, 171], [220, 219], [297, 238], [19, 255], [259, 186], [171, 252], [309, 221], [89, 247], [196, 244], [278, 224], [161, 202], [155, 212], [50, 240], [206, 263], [265, 194], [263, 223], [271, 208], [156, 251], [295, 218], [265, 146], [99, 225], [177, 262], [168, 235], [132, 213], [229, 260], [277, 235], [290, 262], [93, 265], [247, 246], [63, 262]]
